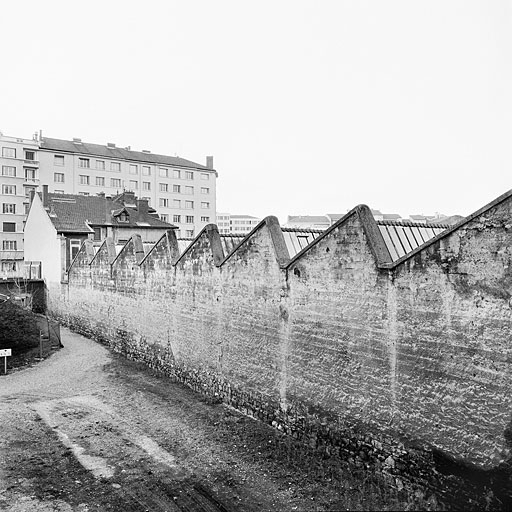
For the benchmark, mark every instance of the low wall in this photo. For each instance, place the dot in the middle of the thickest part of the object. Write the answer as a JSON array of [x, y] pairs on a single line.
[[397, 366]]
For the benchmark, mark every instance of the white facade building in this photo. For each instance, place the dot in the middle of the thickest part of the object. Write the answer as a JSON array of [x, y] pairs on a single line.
[[19, 176], [236, 224], [181, 191]]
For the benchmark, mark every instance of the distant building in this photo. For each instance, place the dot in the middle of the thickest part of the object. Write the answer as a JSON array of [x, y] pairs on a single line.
[[19, 164], [182, 191], [419, 219], [307, 221], [57, 224], [391, 216], [236, 224]]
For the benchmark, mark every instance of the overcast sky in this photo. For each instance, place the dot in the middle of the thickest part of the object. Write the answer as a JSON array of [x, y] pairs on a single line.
[[309, 107]]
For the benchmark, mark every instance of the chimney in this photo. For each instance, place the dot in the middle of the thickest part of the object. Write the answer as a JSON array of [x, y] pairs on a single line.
[[45, 196], [209, 162], [142, 206]]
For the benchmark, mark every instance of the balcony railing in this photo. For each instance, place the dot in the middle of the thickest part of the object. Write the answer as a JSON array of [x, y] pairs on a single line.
[[10, 255]]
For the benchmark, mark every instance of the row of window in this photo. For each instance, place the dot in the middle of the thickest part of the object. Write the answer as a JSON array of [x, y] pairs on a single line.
[[85, 163], [8, 208], [8, 266], [9, 190], [11, 153], [10, 171], [163, 202], [189, 219], [58, 177], [9, 245]]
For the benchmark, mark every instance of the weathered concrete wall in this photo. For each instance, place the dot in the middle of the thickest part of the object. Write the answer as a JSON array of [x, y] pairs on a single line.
[[388, 364]]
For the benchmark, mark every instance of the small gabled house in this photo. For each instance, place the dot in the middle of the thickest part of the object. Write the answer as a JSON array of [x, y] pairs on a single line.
[[57, 224]]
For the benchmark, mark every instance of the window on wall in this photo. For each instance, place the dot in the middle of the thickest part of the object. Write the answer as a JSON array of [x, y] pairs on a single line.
[[189, 190], [134, 185], [10, 245], [58, 177], [30, 174], [146, 185], [97, 234], [29, 190], [176, 174], [176, 189], [84, 179], [58, 160], [205, 176], [205, 190], [115, 182], [100, 181], [164, 187], [8, 170], [189, 233], [9, 190], [189, 205], [164, 173], [9, 227], [163, 202], [189, 219], [176, 203], [84, 163], [133, 169], [74, 247], [9, 152], [205, 205], [146, 170], [164, 217], [100, 165], [8, 266], [205, 219], [189, 175], [176, 218], [115, 166], [30, 155]]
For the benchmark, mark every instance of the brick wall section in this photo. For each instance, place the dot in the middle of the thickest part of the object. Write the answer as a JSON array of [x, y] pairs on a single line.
[[388, 364]]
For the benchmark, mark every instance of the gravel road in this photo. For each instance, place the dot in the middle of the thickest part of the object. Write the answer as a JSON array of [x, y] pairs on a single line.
[[86, 430]]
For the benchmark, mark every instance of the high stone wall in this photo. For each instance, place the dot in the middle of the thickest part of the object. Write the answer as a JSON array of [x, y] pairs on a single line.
[[388, 364]]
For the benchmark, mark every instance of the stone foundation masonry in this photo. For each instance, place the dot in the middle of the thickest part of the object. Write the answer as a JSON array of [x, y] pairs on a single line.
[[403, 367]]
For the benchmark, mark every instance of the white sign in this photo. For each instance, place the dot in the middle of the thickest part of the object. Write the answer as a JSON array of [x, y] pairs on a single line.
[[5, 352]]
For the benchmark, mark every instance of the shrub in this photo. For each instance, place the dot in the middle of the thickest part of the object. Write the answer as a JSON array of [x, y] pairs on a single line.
[[18, 328]]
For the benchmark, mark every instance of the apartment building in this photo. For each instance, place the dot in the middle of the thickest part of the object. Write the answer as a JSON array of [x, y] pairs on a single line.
[[236, 224], [19, 177], [182, 192]]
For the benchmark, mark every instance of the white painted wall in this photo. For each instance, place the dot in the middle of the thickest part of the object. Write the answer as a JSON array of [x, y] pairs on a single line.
[[42, 242]]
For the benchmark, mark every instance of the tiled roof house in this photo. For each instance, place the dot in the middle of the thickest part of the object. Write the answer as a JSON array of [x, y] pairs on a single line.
[[57, 224]]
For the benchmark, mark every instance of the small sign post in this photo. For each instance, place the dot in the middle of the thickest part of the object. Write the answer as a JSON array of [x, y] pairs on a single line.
[[6, 352]]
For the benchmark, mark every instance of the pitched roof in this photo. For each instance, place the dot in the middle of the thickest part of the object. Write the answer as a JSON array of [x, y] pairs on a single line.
[[86, 148], [72, 213]]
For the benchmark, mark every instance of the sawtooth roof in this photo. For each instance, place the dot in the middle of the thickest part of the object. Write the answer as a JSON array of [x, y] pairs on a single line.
[[72, 213], [88, 149]]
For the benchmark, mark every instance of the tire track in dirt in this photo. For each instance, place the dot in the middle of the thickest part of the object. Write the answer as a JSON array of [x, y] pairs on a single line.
[[110, 448]]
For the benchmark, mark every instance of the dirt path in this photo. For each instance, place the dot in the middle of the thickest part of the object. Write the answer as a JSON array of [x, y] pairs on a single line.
[[86, 430]]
